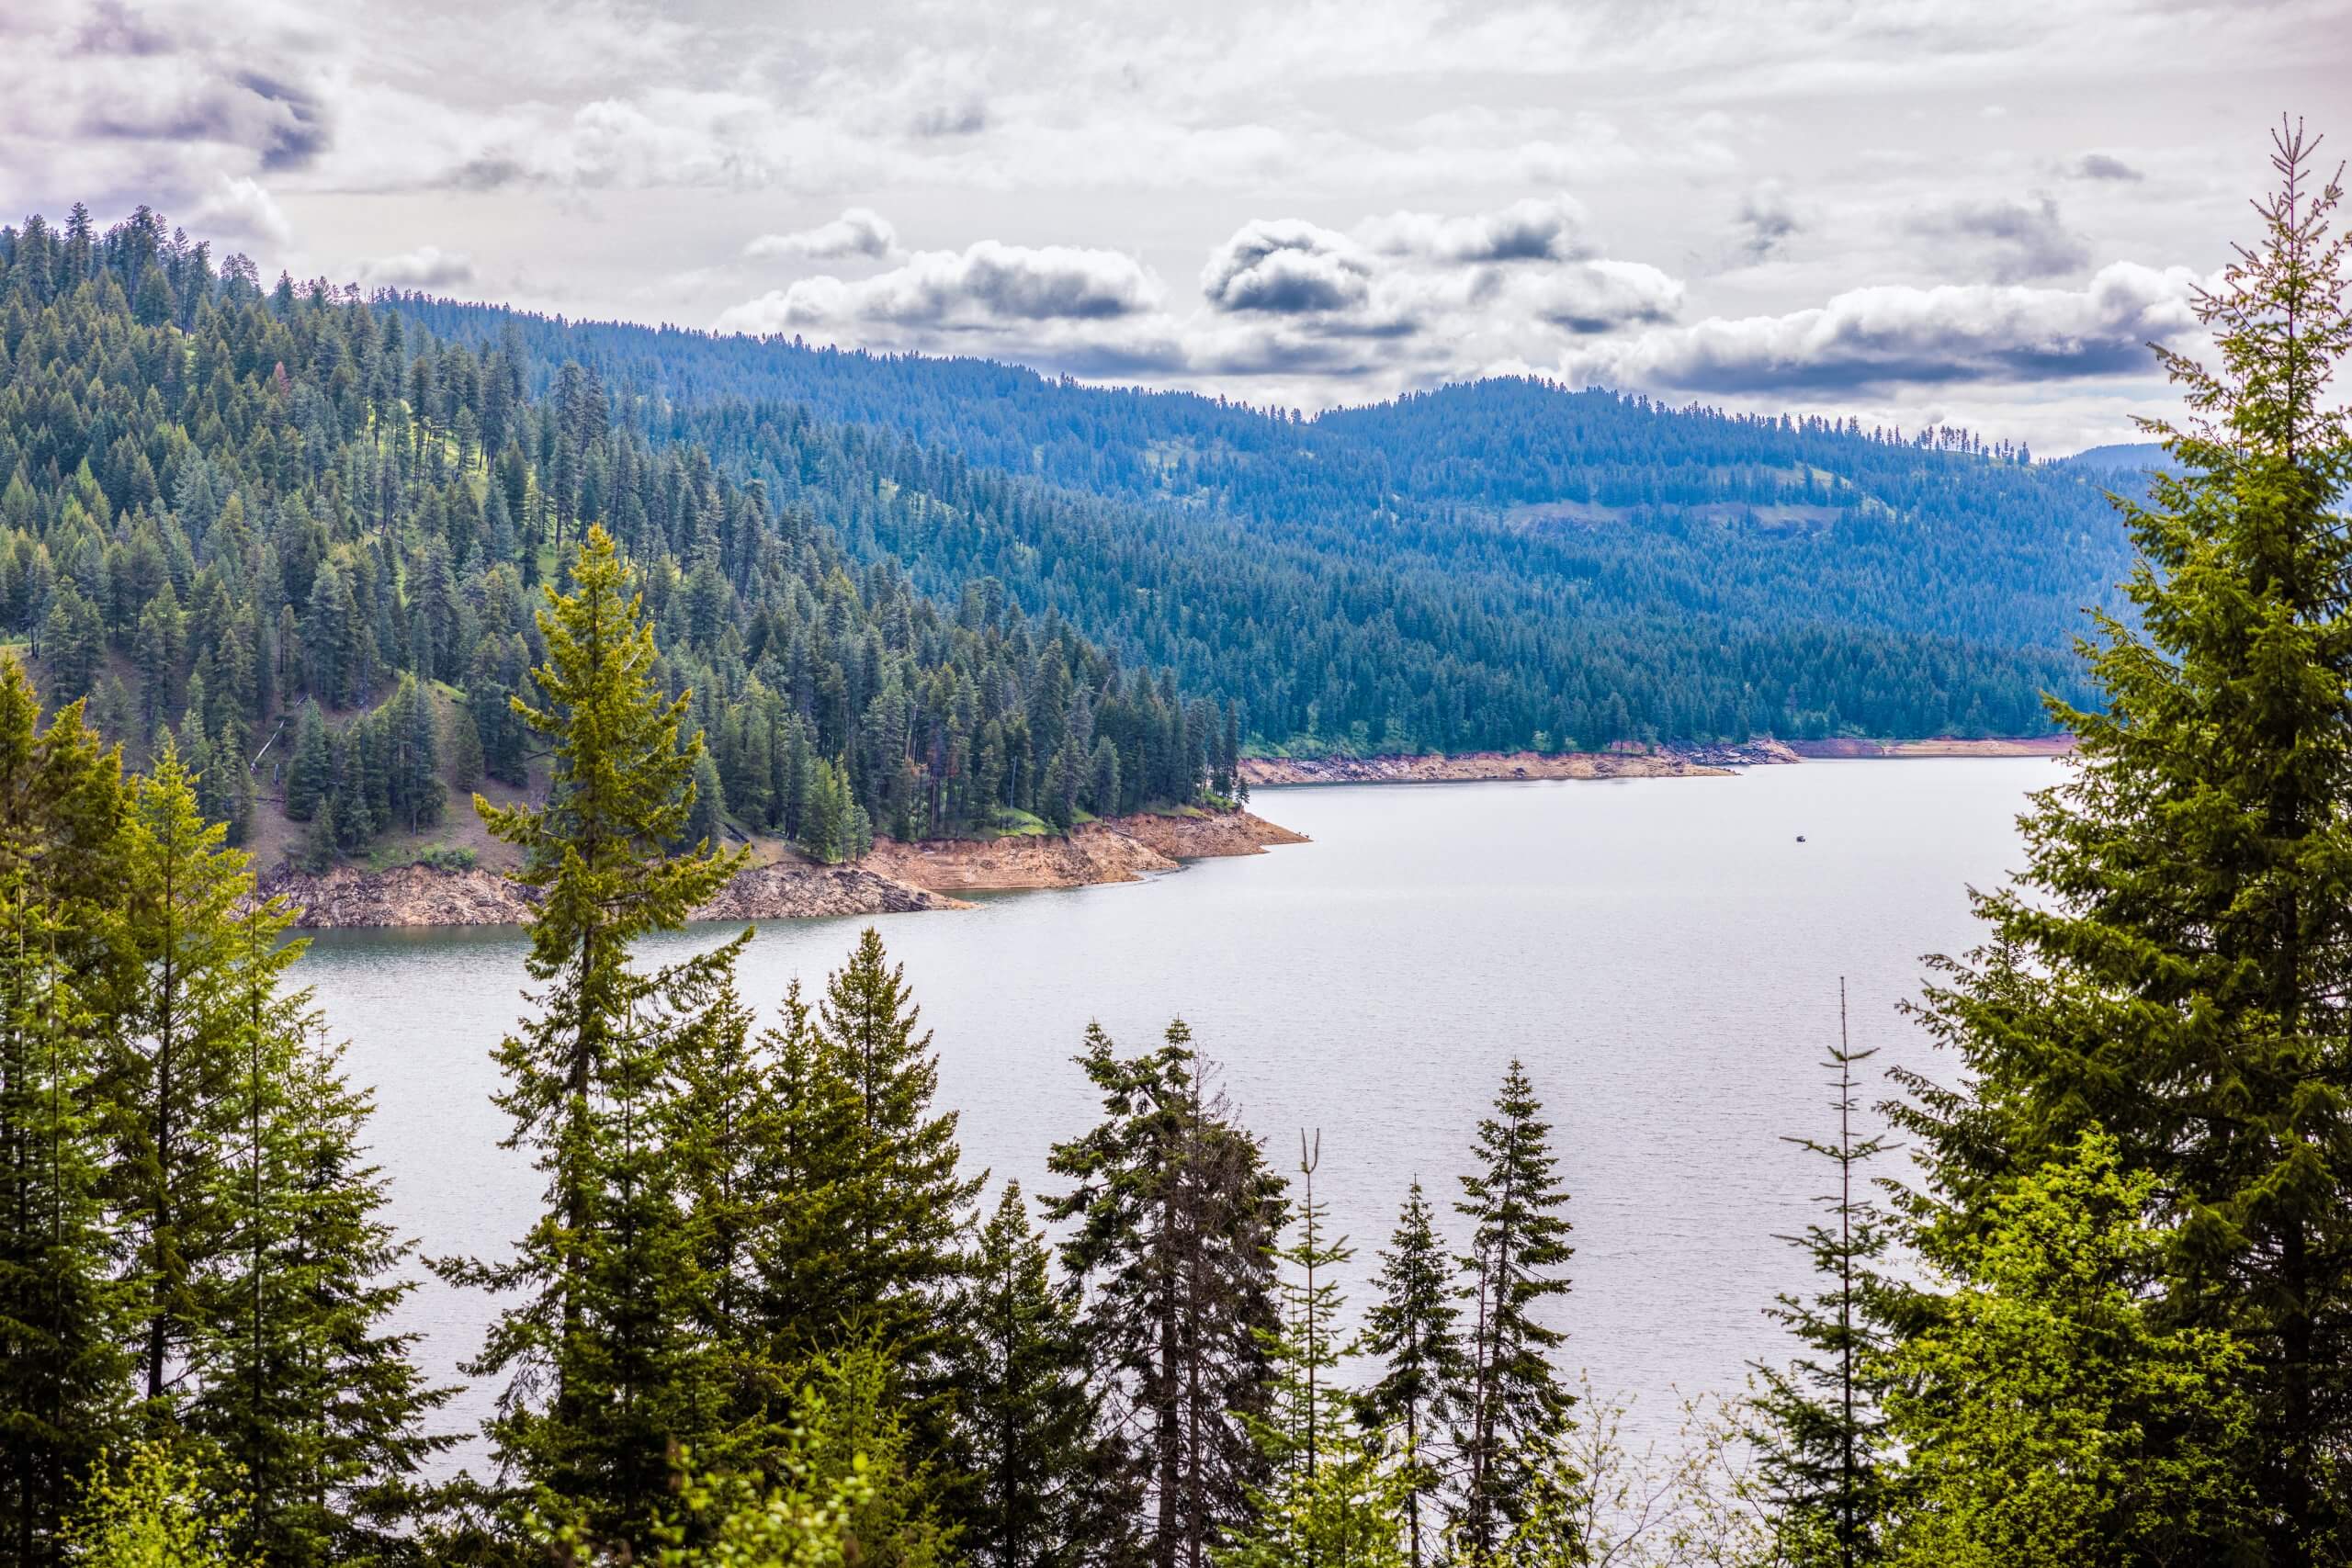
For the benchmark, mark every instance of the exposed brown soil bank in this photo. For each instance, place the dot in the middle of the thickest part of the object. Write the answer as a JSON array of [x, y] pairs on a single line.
[[405, 895], [1207, 835], [1471, 765], [894, 879], [801, 892], [2027, 746], [1117, 848]]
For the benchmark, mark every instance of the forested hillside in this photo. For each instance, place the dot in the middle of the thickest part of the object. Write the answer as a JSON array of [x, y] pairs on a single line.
[[1496, 564], [289, 528]]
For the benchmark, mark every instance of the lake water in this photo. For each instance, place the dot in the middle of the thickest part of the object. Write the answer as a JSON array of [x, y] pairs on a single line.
[[1663, 954]]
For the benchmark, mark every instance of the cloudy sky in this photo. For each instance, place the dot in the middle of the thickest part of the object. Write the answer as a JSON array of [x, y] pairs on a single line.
[[1912, 210]]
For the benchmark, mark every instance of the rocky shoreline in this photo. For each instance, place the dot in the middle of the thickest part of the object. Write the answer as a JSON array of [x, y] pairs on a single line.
[[894, 879], [1662, 763]]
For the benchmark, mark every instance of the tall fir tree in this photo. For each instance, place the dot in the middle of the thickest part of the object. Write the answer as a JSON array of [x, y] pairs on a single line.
[[64, 1367], [169, 1086], [1512, 1400], [600, 1350], [1173, 1216], [1331, 1500], [1413, 1333], [310, 1400], [901, 1208], [2176, 963], [1820, 1435], [1037, 1491]]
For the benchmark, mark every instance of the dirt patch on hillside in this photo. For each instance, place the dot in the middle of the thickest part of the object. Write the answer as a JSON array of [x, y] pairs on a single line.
[[404, 896]]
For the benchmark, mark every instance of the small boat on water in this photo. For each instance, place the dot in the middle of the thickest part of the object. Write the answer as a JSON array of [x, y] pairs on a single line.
[[1800, 838]]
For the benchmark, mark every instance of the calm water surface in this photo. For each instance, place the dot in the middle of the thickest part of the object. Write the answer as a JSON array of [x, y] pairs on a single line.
[[1663, 954]]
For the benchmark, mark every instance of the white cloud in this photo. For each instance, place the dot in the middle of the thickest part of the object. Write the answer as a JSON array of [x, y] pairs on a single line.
[[1286, 266], [428, 267], [858, 232], [984, 284], [1893, 335], [237, 207]]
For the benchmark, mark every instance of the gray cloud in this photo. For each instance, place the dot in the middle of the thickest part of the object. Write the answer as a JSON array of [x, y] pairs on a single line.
[[428, 267], [1766, 220], [1534, 228], [984, 284], [858, 232], [1605, 295], [2021, 241], [969, 117], [2100, 166], [1902, 336], [1285, 266]]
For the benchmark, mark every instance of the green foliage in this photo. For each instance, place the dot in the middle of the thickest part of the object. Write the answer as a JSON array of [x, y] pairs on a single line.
[[1819, 1431], [2049, 1414], [607, 1275], [1511, 1402], [1413, 1333], [156, 1514], [1172, 1216], [1027, 1441], [2173, 967]]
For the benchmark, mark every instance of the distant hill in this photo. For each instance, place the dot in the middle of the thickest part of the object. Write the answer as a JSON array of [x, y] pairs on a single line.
[[1547, 553], [2130, 456]]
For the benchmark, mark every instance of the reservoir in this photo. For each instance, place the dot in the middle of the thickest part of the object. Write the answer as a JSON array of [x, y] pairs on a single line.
[[1664, 955]]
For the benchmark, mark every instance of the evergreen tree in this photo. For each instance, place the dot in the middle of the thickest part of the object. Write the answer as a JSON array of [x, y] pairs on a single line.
[[2173, 965], [600, 1350], [175, 1058], [2048, 1415], [1413, 1333], [312, 1404], [1331, 1502], [310, 771], [1173, 1216], [63, 1367], [897, 1211], [1821, 1443], [1512, 1400], [1035, 1479]]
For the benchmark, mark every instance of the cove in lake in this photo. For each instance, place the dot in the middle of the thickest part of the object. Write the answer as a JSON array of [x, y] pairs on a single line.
[[1663, 953]]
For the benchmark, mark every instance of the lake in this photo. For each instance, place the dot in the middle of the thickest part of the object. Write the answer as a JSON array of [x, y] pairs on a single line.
[[1663, 954]]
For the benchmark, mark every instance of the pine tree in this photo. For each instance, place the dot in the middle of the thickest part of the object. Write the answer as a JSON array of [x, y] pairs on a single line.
[[1174, 1216], [2173, 965], [62, 1367], [597, 1349], [896, 1211], [1413, 1332], [1036, 1479], [311, 1402], [175, 1061], [1821, 1440], [1512, 1398], [310, 772], [1330, 1502]]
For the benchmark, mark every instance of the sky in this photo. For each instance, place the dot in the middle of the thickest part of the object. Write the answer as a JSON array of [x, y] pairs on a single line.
[[1910, 212]]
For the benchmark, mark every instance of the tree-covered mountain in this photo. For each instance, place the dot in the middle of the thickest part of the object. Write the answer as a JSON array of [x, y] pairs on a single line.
[[290, 529], [917, 597], [1481, 563]]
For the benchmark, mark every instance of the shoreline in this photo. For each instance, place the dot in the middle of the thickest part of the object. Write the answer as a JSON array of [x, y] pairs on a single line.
[[894, 878], [1664, 763], [905, 879]]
